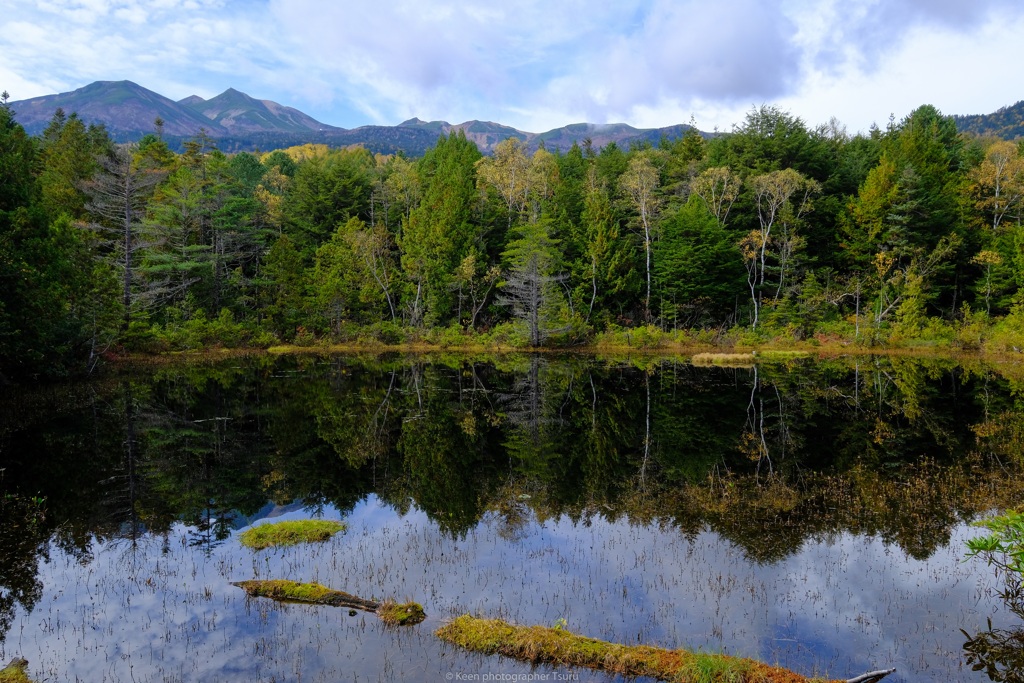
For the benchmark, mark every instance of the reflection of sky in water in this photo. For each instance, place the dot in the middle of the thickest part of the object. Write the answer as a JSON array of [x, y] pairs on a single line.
[[841, 606]]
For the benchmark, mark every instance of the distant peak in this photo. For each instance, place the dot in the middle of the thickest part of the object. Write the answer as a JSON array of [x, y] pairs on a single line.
[[100, 85], [414, 121], [232, 94]]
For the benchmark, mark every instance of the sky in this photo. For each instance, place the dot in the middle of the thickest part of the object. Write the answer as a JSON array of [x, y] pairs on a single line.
[[534, 64]]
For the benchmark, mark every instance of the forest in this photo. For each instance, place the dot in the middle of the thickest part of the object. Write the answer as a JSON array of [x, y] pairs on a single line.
[[774, 233]]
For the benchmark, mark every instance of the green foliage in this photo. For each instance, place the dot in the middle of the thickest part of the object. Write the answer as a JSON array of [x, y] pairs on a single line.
[[50, 313], [604, 273], [389, 332], [189, 329], [283, 287], [326, 192], [440, 232], [509, 334], [697, 266], [1003, 547], [319, 245], [67, 154]]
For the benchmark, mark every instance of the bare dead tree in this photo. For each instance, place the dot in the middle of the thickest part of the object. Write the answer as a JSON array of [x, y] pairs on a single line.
[[532, 295]]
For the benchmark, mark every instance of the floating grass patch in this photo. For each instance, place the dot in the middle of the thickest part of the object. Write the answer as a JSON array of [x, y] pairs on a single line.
[[724, 359], [289, 533], [539, 644], [283, 590], [15, 672]]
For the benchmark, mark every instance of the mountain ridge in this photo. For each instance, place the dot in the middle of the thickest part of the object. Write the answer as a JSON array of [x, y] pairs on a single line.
[[1006, 122], [241, 122]]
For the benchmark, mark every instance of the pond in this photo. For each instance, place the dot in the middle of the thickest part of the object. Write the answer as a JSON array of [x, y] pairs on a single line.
[[806, 513]]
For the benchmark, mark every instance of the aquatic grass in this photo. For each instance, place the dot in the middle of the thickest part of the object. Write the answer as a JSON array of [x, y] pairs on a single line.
[[561, 647], [283, 590], [289, 533], [724, 359], [746, 360], [710, 667]]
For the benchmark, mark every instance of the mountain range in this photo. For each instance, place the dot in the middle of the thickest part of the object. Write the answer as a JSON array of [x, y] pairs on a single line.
[[1006, 122], [240, 122]]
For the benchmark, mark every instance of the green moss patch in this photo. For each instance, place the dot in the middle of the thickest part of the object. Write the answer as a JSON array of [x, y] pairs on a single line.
[[15, 672], [401, 614], [289, 533], [539, 644]]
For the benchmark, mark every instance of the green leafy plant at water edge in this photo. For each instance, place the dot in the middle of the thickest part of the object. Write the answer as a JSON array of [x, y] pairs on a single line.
[[1004, 546], [1000, 652], [289, 533]]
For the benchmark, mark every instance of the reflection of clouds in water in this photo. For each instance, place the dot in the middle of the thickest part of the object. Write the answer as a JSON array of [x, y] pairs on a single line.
[[841, 606]]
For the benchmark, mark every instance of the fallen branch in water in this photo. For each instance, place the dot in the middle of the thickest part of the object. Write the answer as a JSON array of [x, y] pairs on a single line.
[[871, 677], [390, 612]]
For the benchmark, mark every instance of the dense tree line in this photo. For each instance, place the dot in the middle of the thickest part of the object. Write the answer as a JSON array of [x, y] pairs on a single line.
[[775, 229]]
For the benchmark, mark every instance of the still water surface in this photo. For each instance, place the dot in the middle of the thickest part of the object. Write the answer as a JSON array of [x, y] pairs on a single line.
[[810, 514]]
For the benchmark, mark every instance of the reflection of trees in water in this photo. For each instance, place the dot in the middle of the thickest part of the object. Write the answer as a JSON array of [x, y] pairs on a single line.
[[123, 486], [531, 410], [1000, 652], [447, 449], [871, 446], [766, 429], [997, 652], [356, 418], [24, 540]]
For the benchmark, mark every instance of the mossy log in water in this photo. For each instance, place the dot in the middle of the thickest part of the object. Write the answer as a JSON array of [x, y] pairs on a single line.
[[539, 644], [15, 672], [289, 533], [390, 612]]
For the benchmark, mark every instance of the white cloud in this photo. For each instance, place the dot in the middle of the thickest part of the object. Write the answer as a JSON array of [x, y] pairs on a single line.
[[533, 64], [959, 71]]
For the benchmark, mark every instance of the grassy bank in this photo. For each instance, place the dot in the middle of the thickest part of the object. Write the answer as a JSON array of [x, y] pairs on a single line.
[[972, 334]]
